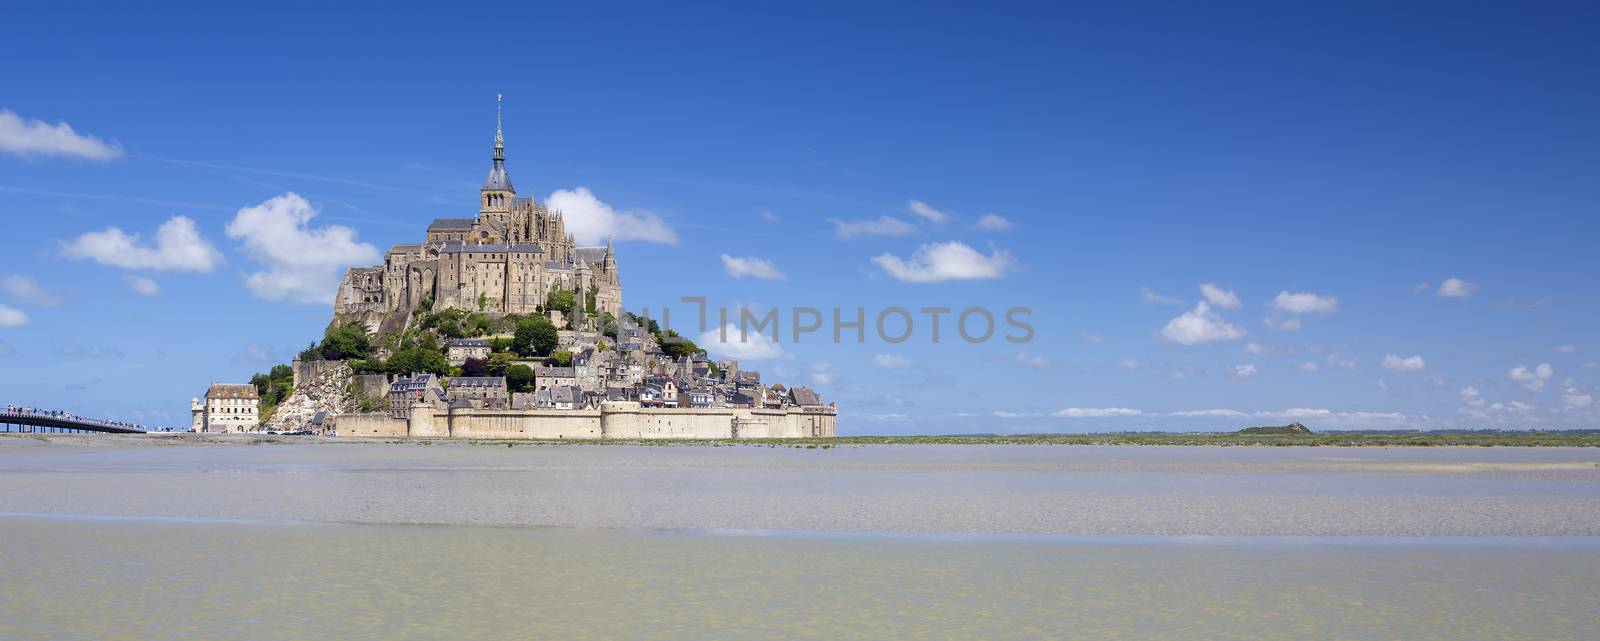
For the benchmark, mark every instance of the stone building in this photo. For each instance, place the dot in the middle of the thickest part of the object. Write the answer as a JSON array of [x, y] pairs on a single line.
[[227, 408], [461, 349], [407, 391], [507, 260], [488, 392]]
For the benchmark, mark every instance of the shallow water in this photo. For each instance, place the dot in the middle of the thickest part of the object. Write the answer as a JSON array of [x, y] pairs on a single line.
[[965, 542], [96, 578]]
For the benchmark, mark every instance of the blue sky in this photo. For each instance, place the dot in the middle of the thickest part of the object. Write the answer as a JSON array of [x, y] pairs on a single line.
[[1340, 156]]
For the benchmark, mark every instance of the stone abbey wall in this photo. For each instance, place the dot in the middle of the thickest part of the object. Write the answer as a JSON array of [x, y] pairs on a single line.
[[614, 420]]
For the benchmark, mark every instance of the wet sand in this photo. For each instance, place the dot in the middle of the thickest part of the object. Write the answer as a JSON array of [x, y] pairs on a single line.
[[973, 489]]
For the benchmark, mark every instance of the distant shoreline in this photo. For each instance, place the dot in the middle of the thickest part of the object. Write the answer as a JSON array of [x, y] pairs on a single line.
[[1192, 439]]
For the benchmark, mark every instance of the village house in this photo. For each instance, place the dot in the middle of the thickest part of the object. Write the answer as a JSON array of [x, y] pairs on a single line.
[[407, 390], [461, 349], [483, 392]]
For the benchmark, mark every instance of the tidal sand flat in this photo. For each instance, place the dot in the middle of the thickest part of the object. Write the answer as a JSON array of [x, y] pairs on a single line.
[[359, 541]]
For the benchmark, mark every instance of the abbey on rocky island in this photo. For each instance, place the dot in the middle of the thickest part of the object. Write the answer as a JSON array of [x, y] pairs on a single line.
[[506, 261]]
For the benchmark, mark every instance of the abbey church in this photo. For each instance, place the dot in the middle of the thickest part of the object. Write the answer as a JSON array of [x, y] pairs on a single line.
[[507, 260]]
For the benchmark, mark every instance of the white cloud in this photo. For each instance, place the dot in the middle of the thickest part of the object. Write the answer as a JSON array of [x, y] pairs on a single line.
[[1566, 349], [24, 290], [751, 266], [1095, 412], [1309, 366], [12, 317], [303, 265], [1471, 396], [1223, 413], [891, 361], [1290, 324], [1152, 296], [820, 375], [1305, 303], [1258, 349], [178, 247], [1032, 360], [1533, 379], [752, 346], [1128, 363], [1200, 325], [142, 284], [935, 262], [1456, 288], [1224, 298], [769, 216], [38, 138], [993, 222], [1245, 371], [884, 226], [591, 221], [1420, 287], [1573, 398], [1407, 364], [924, 210], [1336, 360]]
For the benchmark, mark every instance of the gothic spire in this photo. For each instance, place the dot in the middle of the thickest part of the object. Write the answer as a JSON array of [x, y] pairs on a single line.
[[498, 179]]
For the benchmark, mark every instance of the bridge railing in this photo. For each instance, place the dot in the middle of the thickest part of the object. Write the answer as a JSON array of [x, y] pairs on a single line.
[[67, 417]]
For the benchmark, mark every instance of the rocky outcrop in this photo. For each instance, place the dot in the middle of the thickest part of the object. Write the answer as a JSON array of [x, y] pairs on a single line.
[[327, 389]]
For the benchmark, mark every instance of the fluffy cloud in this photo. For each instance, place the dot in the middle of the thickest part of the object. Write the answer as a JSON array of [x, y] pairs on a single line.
[[591, 221], [142, 285], [935, 262], [1408, 364], [891, 361], [769, 216], [820, 374], [1032, 360], [1309, 366], [884, 226], [1471, 396], [753, 346], [12, 317], [1533, 379], [750, 266], [1565, 349], [922, 209], [1290, 324], [993, 222], [1573, 398], [29, 138], [178, 247], [1245, 371], [24, 290], [1456, 288], [1151, 296], [1224, 298], [303, 265], [1200, 325], [1335, 360], [1128, 363], [1096, 412], [1305, 303]]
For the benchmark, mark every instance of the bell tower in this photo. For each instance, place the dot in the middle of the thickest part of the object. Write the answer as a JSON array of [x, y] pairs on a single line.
[[497, 194]]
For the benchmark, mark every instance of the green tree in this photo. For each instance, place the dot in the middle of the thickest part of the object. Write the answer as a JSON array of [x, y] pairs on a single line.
[[519, 378], [561, 300], [677, 346], [561, 358], [479, 325], [535, 337], [345, 341], [589, 298], [483, 301], [499, 362]]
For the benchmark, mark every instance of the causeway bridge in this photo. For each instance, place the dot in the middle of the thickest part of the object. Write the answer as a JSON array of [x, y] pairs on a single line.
[[42, 421]]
